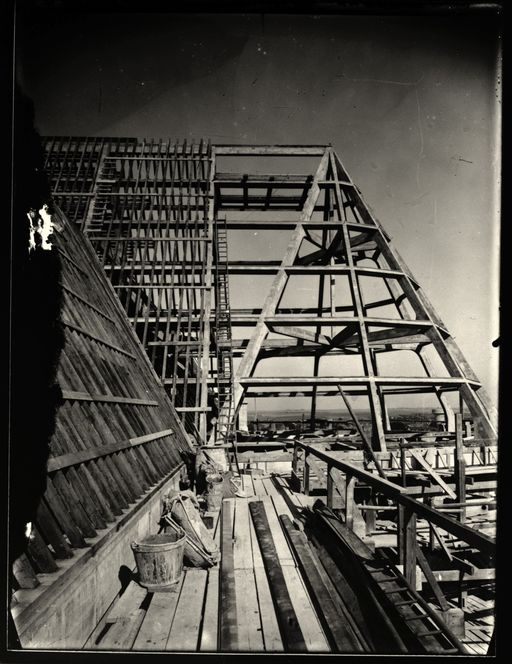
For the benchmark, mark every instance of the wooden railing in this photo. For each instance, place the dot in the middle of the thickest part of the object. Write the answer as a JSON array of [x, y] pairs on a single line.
[[342, 477]]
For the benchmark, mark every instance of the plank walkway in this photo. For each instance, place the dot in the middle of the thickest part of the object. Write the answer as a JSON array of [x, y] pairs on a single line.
[[187, 619]]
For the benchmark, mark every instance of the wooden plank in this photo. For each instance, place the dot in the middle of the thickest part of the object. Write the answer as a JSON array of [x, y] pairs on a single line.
[[228, 610], [247, 485], [101, 341], [341, 592], [257, 560], [429, 576], [72, 395], [250, 638], [87, 303], [339, 634], [131, 599], [433, 474], [341, 531], [291, 497], [410, 546], [272, 640], [269, 486], [73, 504], [184, 634], [259, 487], [217, 528], [300, 333], [291, 633], [210, 631], [122, 634], [284, 554], [313, 634], [74, 458], [336, 488], [242, 552], [156, 626], [281, 506], [271, 150], [281, 381]]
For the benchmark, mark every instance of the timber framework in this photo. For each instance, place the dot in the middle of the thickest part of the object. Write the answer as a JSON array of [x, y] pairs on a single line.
[[363, 539]]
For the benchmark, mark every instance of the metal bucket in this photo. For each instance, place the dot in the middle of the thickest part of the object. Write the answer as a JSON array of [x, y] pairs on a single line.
[[159, 560]]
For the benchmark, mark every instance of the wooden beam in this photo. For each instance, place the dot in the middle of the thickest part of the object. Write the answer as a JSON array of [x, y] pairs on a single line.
[[362, 433], [299, 333], [270, 305], [460, 466], [100, 340], [433, 473], [431, 580], [207, 307], [270, 150], [347, 380], [378, 438], [293, 639], [74, 458], [228, 626], [408, 540], [71, 395], [340, 635], [450, 353], [473, 537]]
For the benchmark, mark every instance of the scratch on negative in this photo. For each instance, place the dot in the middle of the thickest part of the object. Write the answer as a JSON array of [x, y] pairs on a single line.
[[382, 80]]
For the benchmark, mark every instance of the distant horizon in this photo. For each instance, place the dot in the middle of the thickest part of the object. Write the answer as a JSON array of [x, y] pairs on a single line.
[[328, 412]]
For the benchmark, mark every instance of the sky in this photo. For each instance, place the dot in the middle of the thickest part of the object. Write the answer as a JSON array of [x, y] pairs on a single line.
[[410, 104]]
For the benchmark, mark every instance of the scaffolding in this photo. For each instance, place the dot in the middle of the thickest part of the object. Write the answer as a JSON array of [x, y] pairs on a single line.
[[159, 215]]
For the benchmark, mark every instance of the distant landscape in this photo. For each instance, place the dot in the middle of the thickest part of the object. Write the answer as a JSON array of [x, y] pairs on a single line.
[[363, 413]]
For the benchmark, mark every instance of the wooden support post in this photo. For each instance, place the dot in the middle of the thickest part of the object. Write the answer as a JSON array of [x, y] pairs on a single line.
[[295, 459], [460, 467], [370, 518], [330, 487], [409, 545], [431, 580], [385, 413], [349, 501], [400, 530], [207, 309], [335, 488], [463, 594], [431, 530], [305, 475], [403, 467], [378, 438]]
